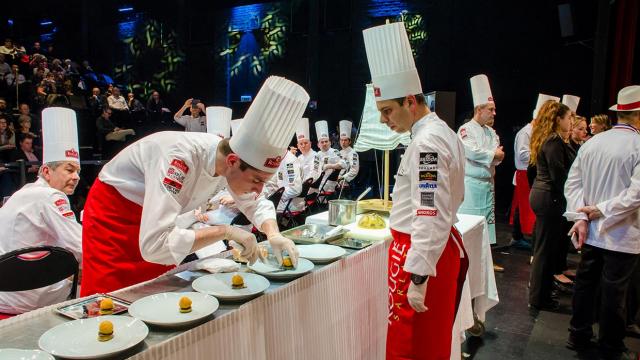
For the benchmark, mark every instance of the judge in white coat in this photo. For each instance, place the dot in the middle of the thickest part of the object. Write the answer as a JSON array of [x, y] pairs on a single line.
[[307, 154], [427, 263], [39, 214], [348, 154], [327, 160], [171, 173], [606, 212], [483, 153]]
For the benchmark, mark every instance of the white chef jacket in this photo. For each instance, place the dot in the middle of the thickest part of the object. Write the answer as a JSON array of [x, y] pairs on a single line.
[[350, 156], [192, 124], [480, 143], [428, 191], [289, 177], [306, 162], [171, 173], [606, 173], [322, 158], [38, 215], [521, 147]]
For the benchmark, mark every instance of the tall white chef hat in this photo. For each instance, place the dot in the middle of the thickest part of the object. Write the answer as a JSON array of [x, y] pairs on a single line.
[[302, 130], [235, 125], [571, 101], [480, 90], [219, 121], [322, 129], [59, 135], [393, 70], [270, 123], [542, 98], [345, 129]]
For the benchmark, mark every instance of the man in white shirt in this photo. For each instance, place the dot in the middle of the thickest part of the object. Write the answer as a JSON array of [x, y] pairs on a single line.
[[603, 199], [118, 104], [427, 263], [483, 153], [39, 214], [327, 160], [133, 208], [195, 122], [307, 154]]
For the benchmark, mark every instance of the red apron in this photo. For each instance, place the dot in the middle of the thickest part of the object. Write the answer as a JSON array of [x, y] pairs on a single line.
[[111, 256], [521, 202], [427, 335]]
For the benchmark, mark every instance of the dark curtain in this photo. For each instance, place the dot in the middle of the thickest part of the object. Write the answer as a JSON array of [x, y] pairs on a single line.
[[624, 43]]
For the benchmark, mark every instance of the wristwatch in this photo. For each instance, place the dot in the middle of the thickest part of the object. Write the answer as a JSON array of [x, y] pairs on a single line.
[[418, 279]]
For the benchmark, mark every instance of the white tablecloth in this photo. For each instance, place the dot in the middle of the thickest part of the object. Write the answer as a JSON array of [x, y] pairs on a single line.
[[479, 293]]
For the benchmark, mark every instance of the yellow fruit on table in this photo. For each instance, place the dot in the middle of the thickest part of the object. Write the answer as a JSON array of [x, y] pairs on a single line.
[[185, 304], [105, 331], [372, 221], [106, 306], [237, 281], [287, 263]]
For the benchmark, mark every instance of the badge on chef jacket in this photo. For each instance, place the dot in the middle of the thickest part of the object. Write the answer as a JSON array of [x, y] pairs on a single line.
[[428, 161], [176, 174], [428, 175], [463, 133], [63, 207]]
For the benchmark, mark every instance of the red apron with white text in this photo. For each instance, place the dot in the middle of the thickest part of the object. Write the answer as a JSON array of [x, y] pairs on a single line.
[[111, 256], [521, 202], [427, 335]]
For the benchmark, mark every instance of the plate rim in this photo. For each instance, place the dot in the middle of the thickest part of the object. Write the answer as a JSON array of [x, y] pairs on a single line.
[[165, 324], [283, 274], [344, 252], [240, 297], [39, 351]]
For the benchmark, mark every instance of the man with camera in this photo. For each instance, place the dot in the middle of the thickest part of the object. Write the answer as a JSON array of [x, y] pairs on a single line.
[[194, 122]]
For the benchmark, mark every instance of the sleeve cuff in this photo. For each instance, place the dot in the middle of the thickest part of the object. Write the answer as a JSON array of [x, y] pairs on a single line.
[[180, 244], [417, 264]]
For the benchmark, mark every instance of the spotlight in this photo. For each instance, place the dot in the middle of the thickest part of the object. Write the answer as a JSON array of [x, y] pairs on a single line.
[[125, 9], [46, 22]]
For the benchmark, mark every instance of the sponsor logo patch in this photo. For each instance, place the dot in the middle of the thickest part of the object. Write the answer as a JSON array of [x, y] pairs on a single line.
[[428, 186], [273, 163], [172, 186], [426, 212], [427, 199], [376, 92], [72, 153], [428, 175], [463, 133], [180, 165], [428, 158], [60, 202]]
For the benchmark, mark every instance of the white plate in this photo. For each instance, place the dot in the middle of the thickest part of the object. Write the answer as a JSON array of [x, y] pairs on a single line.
[[321, 253], [163, 309], [78, 339], [219, 285], [274, 272], [17, 354]]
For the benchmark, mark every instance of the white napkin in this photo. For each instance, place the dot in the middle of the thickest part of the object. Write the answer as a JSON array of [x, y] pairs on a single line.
[[215, 265]]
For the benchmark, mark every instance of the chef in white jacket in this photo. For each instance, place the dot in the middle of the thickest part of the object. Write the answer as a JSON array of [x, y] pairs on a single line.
[[603, 199], [307, 154], [327, 159], [130, 233], [39, 214], [348, 154], [483, 153], [427, 263], [289, 177]]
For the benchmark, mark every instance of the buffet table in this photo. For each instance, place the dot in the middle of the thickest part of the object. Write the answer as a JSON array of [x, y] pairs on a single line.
[[479, 293]]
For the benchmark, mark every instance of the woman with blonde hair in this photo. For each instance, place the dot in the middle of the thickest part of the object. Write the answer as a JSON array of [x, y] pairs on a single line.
[[599, 123], [552, 157], [579, 133]]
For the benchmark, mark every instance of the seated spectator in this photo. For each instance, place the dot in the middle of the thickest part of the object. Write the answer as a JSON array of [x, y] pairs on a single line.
[[36, 49], [97, 102], [86, 67], [41, 65], [8, 50], [136, 108], [25, 152], [14, 76], [108, 142], [193, 122], [156, 111], [24, 109], [5, 68], [118, 104], [5, 112], [7, 140], [24, 126], [46, 89]]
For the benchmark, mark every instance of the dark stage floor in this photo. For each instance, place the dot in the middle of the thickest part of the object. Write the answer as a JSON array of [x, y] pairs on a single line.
[[511, 331]]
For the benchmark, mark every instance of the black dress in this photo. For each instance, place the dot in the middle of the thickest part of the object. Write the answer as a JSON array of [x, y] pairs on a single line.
[[548, 203]]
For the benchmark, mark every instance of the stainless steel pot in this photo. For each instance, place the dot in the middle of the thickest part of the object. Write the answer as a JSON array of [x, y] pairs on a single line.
[[342, 212]]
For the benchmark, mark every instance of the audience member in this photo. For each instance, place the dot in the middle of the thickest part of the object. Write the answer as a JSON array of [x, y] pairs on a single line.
[[7, 140], [25, 152], [599, 123], [193, 122]]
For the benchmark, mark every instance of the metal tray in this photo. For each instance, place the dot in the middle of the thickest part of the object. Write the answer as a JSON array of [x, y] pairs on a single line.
[[313, 234], [350, 243]]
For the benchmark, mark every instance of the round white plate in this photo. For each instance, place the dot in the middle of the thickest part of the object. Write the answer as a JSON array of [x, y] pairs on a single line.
[[219, 285], [78, 339], [17, 354], [274, 272], [163, 309], [321, 253]]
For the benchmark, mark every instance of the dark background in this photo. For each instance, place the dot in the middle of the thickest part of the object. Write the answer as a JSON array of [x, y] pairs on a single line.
[[519, 45]]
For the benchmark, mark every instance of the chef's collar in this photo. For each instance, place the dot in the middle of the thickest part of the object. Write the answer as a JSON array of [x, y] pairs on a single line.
[[422, 122]]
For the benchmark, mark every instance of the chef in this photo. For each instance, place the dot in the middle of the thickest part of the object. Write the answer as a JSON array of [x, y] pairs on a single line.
[[289, 177], [521, 213], [347, 153], [130, 215], [327, 159], [307, 154], [427, 263], [219, 121], [483, 153], [39, 214]]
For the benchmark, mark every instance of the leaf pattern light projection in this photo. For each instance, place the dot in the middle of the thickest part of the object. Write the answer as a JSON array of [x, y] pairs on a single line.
[[153, 59], [414, 24]]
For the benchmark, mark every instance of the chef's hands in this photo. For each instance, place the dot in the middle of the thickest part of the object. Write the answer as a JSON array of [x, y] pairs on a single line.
[[416, 295], [247, 240], [580, 227], [188, 103], [279, 244], [227, 200], [499, 154], [592, 212], [200, 216]]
